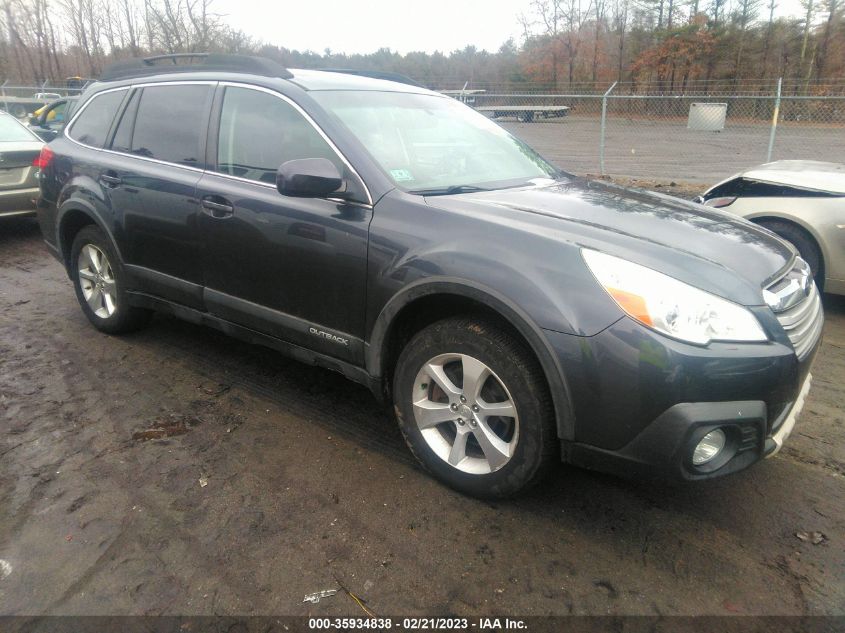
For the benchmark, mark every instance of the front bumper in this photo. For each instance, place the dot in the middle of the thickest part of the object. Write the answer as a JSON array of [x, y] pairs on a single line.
[[642, 401], [782, 430], [666, 446]]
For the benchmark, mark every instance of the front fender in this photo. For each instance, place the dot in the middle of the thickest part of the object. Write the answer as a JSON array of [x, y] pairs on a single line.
[[376, 348]]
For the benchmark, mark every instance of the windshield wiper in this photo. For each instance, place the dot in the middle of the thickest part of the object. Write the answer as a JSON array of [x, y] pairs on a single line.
[[447, 191]]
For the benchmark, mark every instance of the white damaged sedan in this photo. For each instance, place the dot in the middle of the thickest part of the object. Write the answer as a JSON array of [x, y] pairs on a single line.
[[803, 201]]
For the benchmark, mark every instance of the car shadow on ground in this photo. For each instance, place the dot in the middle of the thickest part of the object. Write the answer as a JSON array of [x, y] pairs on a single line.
[[16, 230]]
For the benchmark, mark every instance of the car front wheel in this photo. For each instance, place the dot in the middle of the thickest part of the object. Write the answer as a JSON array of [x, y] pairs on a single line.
[[473, 405]]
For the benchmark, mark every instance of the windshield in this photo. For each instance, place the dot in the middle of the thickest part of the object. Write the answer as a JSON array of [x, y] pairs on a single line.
[[432, 144], [12, 131]]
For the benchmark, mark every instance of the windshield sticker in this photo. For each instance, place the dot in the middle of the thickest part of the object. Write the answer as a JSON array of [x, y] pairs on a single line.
[[401, 175]]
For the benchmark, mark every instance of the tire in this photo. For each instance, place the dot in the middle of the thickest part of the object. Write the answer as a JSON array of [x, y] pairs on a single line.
[[803, 242], [100, 284], [440, 427]]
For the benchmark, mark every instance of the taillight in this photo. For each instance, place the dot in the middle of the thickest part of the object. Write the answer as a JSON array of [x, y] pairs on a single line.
[[720, 202], [44, 158]]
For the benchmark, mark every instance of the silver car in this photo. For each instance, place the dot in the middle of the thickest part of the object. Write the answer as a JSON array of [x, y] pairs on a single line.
[[803, 201], [19, 151]]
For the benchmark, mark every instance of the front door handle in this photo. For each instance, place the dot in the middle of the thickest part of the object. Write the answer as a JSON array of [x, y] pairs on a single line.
[[110, 179], [217, 207]]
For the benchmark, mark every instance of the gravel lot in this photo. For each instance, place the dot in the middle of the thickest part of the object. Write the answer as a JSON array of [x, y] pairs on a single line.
[[666, 150], [279, 479]]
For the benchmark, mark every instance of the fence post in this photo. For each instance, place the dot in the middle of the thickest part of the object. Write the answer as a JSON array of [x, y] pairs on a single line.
[[775, 117], [603, 120]]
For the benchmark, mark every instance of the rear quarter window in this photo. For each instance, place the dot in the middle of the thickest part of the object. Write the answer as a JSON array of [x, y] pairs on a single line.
[[171, 123], [92, 125]]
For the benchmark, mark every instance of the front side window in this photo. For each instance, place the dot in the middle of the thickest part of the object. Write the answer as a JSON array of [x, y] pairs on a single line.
[[92, 125], [170, 123], [427, 142], [260, 131]]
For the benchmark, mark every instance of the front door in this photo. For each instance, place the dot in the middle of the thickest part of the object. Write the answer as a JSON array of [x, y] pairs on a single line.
[[293, 268]]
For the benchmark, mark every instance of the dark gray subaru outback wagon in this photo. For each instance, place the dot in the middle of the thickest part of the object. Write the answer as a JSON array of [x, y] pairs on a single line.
[[513, 314]]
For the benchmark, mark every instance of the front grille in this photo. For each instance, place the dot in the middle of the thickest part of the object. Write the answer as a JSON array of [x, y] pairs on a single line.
[[803, 321]]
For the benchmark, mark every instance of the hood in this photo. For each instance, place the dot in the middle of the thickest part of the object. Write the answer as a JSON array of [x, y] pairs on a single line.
[[811, 175], [704, 247], [804, 174]]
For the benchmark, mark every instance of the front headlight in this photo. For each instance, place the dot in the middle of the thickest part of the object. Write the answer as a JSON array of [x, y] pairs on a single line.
[[671, 306]]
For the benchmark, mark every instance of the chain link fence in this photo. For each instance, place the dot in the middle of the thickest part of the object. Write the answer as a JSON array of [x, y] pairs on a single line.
[[22, 101], [694, 137], [699, 135]]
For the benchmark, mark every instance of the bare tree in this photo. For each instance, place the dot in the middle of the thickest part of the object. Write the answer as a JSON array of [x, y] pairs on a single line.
[[600, 7], [550, 14], [832, 8], [746, 13], [574, 16], [808, 21], [620, 25], [772, 5]]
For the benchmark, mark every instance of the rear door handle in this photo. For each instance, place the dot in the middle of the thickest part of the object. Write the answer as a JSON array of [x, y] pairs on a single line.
[[217, 207], [110, 179]]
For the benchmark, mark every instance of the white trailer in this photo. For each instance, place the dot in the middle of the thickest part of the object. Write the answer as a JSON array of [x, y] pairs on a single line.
[[525, 113]]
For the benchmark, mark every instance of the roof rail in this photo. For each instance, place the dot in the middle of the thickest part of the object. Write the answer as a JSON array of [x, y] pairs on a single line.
[[376, 74], [142, 66]]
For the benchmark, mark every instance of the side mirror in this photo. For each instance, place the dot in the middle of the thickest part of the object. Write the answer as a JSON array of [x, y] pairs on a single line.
[[310, 178]]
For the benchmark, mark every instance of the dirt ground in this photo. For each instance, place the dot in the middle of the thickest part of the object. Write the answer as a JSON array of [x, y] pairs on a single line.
[[177, 471]]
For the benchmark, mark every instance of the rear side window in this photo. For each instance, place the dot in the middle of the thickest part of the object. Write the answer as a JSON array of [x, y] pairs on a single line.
[[259, 132], [170, 123], [11, 130], [93, 124]]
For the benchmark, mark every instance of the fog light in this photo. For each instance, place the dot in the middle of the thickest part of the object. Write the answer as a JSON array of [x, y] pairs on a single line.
[[709, 447]]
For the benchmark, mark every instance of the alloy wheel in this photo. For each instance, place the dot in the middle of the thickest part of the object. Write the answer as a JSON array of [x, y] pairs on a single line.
[[96, 278], [465, 413]]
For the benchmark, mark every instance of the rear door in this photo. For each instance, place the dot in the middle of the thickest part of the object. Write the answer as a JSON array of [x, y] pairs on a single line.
[[290, 267], [153, 167]]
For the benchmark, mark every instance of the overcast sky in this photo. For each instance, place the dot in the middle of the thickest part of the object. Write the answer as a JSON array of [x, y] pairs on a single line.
[[356, 26]]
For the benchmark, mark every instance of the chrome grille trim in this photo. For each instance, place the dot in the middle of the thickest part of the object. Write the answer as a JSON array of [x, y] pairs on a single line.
[[803, 322]]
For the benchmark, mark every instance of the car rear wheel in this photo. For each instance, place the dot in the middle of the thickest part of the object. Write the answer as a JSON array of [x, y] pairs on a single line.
[[805, 245], [99, 280], [474, 408]]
